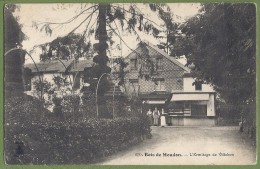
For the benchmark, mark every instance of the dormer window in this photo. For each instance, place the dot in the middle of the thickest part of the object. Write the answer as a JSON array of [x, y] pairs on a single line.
[[133, 64], [198, 84]]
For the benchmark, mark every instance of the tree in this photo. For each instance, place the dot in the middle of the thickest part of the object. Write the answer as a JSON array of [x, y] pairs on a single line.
[[221, 43], [68, 47], [14, 59], [108, 17]]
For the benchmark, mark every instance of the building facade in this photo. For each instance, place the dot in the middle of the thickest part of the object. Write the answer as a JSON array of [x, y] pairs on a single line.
[[47, 71], [171, 89]]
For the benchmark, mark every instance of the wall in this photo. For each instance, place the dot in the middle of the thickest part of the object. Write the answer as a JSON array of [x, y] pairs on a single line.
[[189, 121], [211, 105], [192, 121], [171, 72]]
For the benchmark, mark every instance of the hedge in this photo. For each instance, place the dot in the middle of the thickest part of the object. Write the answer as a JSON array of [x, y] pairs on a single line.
[[32, 139], [71, 142], [34, 135]]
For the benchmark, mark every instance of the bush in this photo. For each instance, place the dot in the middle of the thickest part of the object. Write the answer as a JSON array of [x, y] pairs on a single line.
[[70, 107], [88, 105], [24, 108], [72, 142], [118, 107], [21, 113], [33, 135]]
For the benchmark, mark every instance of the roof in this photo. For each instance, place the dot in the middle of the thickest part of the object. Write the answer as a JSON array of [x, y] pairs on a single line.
[[153, 51], [172, 59], [192, 92], [60, 65], [188, 74]]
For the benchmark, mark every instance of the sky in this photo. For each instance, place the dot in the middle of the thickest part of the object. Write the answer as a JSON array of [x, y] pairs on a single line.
[[40, 13]]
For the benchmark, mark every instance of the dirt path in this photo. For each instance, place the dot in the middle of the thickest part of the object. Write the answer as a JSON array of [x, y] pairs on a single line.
[[188, 146]]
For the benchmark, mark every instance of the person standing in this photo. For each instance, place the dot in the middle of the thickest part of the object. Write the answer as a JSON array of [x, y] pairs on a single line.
[[163, 118], [156, 117], [150, 115]]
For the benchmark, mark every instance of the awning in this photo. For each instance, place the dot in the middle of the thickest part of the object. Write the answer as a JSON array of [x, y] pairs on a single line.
[[192, 96], [156, 95], [154, 102]]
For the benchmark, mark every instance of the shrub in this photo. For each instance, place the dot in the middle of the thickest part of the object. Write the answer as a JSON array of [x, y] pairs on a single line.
[[88, 105], [24, 108], [117, 106], [35, 135], [70, 106], [57, 109], [72, 142], [21, 113]]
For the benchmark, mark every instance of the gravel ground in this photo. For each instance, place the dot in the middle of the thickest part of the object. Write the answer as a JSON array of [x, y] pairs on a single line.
[[188, 146]]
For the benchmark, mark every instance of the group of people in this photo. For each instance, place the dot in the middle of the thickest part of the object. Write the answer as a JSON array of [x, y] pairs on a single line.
[[155, 116]]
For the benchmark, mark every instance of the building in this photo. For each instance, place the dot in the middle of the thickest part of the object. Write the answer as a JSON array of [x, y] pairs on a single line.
[[76, 74], [48, 70], [171, 88]]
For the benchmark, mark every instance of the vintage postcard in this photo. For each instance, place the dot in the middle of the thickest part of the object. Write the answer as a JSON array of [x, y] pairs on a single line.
[[130, 84]]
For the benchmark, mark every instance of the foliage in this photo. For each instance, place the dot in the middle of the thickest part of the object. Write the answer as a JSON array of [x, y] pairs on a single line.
[[36, 136], [57, 109], [135, 104], [71, 46], [87, 106], [44, 91], [73, 141], [13, 37], [119, 70], [61, 81], [70, 106], [43, 86], [51, 93], [13, 34], [92, 76], [23, 109], [221, 43], [130, 18]]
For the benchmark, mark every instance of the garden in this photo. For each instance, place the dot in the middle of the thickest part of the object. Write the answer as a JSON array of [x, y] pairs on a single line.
[[35, 135]]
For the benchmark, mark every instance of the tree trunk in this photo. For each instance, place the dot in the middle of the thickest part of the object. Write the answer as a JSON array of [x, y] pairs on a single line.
[[102, 30], [14, 60], [14, 84], [102, 60]]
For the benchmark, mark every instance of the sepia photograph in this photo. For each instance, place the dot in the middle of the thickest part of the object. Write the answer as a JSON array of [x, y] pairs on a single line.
[[130, 84]]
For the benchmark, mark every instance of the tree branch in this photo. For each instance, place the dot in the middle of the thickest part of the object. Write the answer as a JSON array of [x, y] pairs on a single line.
[[125, 42], [139, 14], [68, 21], [82, 22]]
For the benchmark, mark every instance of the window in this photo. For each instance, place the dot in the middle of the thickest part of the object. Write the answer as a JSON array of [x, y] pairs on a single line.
[[133, 64], [177, 107], [159, 84], [158, 63], [198, 86], [133, 80], [199, 110]]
